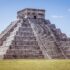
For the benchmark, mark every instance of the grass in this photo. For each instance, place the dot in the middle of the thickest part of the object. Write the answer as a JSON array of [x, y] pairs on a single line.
[[24, 64]]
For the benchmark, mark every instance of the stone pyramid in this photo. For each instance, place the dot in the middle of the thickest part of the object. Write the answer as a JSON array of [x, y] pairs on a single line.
[[32, 36]]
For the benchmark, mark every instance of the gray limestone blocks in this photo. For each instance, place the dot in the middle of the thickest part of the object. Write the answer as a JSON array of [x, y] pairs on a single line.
[[33, 37]]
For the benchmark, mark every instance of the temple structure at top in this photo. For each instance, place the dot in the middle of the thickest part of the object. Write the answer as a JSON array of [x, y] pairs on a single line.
[[31, 13]]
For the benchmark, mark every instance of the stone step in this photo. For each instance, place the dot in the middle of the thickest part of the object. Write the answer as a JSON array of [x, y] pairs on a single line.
[[18, 38], [25, 29], [24, 43], [23, 56], [25, 33], [24, 51], [25, 47]]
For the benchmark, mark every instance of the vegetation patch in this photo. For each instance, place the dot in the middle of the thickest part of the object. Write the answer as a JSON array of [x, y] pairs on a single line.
[[34, 64]]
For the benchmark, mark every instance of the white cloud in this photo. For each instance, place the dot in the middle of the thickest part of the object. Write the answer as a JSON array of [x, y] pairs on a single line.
[[55, 16], [69, 10]]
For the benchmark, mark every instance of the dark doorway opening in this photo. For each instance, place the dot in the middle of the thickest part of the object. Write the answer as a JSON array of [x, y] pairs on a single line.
[[34, 17]]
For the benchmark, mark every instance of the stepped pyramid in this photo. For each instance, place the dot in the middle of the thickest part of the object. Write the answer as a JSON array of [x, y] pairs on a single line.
[[32, 36]]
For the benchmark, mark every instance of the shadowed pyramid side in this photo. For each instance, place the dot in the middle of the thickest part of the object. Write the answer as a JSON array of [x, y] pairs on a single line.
[[46, 39]]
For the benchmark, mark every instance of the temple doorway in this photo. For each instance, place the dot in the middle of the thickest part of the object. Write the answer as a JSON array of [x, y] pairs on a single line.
[[34, 17]]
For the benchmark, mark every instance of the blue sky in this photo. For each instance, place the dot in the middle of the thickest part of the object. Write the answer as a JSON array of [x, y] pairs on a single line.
[[57, 11]]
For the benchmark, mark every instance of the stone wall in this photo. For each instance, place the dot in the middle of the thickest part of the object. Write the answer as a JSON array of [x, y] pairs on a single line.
[[31, 13]]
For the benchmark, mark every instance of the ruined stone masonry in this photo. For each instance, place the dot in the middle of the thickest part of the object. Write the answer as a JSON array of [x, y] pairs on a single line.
[[32, 36]]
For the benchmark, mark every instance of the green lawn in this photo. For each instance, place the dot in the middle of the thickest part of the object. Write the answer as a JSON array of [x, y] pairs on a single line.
[[34, 64]]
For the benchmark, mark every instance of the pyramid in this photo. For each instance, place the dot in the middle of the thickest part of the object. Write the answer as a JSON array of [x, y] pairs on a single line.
[[32, 36]]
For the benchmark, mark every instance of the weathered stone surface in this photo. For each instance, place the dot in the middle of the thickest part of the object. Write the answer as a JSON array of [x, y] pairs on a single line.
[[32, 36]]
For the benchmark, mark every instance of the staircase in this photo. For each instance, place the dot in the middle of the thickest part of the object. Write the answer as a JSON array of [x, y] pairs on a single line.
[[47, 40], [7, 43], [24, 44]]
